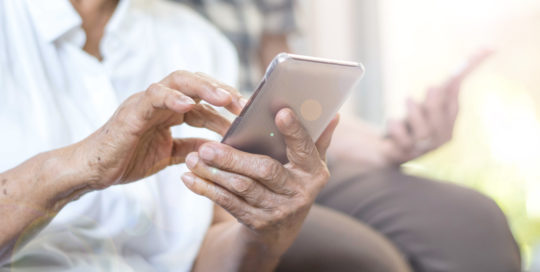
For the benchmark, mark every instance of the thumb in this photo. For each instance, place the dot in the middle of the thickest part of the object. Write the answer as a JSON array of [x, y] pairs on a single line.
[[301, 150]]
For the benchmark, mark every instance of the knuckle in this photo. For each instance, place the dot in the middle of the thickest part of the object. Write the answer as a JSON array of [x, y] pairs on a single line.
[[258, 224], [223, 200], [304, 149], [242, 186], [264, 199], [153, 89], [243, 217], [227, 158], [269, 170], [121, 113], [180, 74], [303, 200], [297, 131], [279, 215], [195, 118], [324, 173], [324, 176]]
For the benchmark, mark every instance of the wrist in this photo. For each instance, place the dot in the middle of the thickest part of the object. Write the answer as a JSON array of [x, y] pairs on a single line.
[[268, 245], [66, 174]]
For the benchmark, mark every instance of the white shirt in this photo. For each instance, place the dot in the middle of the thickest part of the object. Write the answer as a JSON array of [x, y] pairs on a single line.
[[53, 94]]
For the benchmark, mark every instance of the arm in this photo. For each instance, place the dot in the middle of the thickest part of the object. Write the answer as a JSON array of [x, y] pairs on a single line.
[[271, 45], [35, 191], [136, 142], [229, 246], [267, 201], [279, 21]]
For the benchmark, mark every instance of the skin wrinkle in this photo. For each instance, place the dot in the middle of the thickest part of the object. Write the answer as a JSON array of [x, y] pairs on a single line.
[[50, 180]]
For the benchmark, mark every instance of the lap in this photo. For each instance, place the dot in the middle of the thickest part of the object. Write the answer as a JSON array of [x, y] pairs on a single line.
[[437, 226], [332, 241]]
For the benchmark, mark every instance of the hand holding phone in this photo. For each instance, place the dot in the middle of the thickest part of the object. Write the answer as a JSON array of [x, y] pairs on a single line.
[[313, 88]]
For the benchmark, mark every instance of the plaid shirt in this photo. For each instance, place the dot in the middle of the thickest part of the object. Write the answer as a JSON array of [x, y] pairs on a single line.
[[243, 22]]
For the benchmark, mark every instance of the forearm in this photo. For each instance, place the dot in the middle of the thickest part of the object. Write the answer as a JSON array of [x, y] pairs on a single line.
[[229, 246], [270, 46], [32, 193]]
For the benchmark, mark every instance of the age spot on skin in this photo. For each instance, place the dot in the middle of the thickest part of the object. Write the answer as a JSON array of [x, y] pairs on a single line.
[[4, 181], [5, 192], [99, 158]]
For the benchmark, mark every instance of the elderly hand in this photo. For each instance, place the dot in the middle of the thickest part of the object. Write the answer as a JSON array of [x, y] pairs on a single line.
[[269, 199], [137, 142]]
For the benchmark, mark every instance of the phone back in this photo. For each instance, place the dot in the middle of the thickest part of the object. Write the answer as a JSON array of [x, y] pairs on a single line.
[[313, 88]]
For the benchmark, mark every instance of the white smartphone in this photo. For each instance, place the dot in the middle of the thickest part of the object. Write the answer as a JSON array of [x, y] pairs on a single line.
[[313, 88]]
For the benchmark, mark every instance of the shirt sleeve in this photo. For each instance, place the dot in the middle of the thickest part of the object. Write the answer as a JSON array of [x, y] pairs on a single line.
[[278, 15]]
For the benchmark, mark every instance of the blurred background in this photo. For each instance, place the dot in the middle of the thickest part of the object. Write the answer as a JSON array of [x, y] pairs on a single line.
[[408, 46]]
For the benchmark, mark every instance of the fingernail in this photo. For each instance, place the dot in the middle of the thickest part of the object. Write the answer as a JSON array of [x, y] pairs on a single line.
[[288, 119], [207, 153], [192, 160], [222, 93], [187, 100], [188, 179]]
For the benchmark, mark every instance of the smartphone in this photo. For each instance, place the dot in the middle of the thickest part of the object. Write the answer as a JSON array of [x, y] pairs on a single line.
[[314, 88]]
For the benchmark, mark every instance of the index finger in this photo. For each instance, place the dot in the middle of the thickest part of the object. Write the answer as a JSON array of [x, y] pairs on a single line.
[[262, 168], [466, 69], [452, 87], [473, 63], [240, 102], [205, 88]]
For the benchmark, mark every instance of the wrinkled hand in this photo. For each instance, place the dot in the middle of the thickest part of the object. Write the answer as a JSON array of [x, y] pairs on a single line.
[[269, 199], [137, 142], [429, 124]]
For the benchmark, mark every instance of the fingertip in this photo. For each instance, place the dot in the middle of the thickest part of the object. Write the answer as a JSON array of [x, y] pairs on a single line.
[[337, 118], [243, 102], [192, 159], [207, 152], [485, 53], [188, 178], [334, 123], [284, 118], [223, 96]]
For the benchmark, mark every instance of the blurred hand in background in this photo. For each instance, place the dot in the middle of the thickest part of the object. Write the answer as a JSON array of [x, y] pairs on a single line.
[[428, 125]]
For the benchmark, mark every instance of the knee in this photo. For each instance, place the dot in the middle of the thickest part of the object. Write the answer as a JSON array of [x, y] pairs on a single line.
[[477, 208], [479, 223]]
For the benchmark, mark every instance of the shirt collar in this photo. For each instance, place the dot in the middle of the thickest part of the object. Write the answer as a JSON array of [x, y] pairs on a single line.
[[118, 18], [55, 18]]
